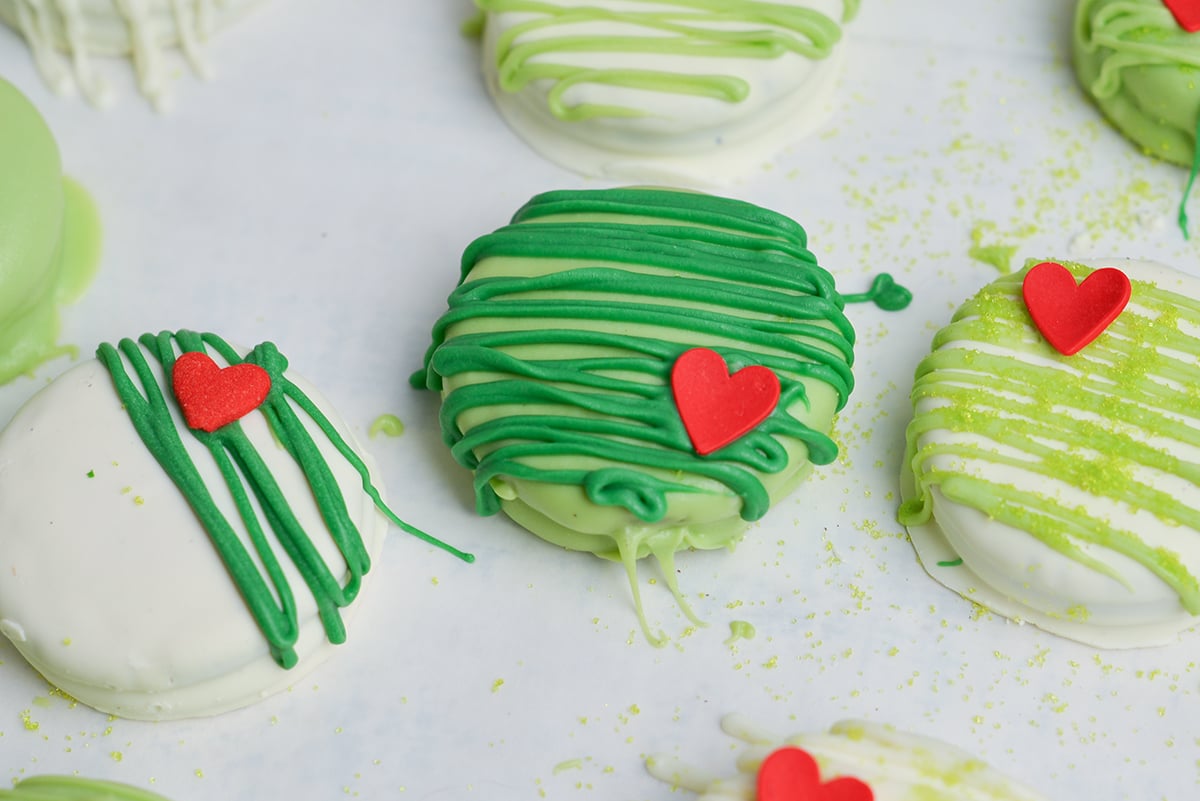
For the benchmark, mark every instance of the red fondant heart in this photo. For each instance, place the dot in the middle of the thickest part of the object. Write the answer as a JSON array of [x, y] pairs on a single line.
[[212, 396], [791, 774], [1187, 13], [1069, 315], [716, 407]]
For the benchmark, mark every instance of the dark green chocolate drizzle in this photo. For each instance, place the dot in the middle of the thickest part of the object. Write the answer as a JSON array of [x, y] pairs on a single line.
[[748, 279], [269, 597]]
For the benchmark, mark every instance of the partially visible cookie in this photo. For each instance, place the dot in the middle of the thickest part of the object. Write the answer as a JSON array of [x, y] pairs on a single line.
[[49, 237], [854, 761], [666, 92], [185, 528]]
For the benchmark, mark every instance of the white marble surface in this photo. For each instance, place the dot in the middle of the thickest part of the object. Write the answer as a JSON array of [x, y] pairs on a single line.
[[318, 191]]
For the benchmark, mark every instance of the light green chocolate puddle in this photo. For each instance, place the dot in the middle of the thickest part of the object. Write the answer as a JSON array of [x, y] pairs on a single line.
[[1099, 433], [49, 238], [73, 788], [554, 359]]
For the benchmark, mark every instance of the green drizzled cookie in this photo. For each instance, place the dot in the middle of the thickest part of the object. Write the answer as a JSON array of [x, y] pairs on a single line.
[[555, 355], [49, 237]]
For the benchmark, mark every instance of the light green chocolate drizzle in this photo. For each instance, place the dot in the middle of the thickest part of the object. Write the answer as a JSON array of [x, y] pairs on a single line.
[[269, 597], [74, 788], [1143, 70], [1099, 431], [49, 238], [526, 52]]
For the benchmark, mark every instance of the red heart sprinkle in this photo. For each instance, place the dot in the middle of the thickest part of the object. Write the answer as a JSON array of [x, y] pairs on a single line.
[[212, 396], [791, 774], [1069, 315], [1187, 13], [716, 407]]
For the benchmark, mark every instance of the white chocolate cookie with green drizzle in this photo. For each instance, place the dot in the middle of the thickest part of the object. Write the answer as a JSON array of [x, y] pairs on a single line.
[[185, 528], [67, 37], [1064, 490], [671, 91], [578, 348], [854, 761]]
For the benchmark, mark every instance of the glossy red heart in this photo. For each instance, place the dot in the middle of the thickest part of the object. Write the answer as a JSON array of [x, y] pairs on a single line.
[[212, 396], [791, 774], [716, 407], [1071, 315], [1187, 13]]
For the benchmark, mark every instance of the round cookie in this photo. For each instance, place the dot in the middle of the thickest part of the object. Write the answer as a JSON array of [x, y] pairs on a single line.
[[668, 92], [185, 530], [49, 237], [65, 37], [585, 353], [1141, 67], [1064, 490], [854, 761]]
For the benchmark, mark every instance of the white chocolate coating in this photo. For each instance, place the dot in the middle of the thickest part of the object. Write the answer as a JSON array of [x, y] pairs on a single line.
[[1012, 572], [896, 765], [140, 29], [112, 589], [672, 138]]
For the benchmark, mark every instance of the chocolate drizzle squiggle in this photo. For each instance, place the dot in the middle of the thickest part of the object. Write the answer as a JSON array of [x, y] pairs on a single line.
[[269, 597]]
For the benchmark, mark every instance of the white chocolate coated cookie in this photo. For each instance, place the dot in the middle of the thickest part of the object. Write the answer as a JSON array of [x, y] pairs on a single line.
[[670, 92], [67, 35], [112, 587], [1065, 490]]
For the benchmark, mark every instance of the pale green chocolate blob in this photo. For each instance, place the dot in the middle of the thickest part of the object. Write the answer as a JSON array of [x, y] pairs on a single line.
[[73, 788], [1143, 71], [554, 359], [49, 238]]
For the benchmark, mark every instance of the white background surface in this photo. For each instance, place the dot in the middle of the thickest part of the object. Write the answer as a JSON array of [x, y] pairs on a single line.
[[318, 193]]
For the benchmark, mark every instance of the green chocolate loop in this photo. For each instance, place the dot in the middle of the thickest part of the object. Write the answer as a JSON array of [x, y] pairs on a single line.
[[885, 293]]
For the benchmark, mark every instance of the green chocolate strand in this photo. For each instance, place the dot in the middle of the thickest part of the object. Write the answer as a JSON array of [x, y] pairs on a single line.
[[616, 300], [1111, 422], [269, 599], [1191, 180], [530, 50]]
